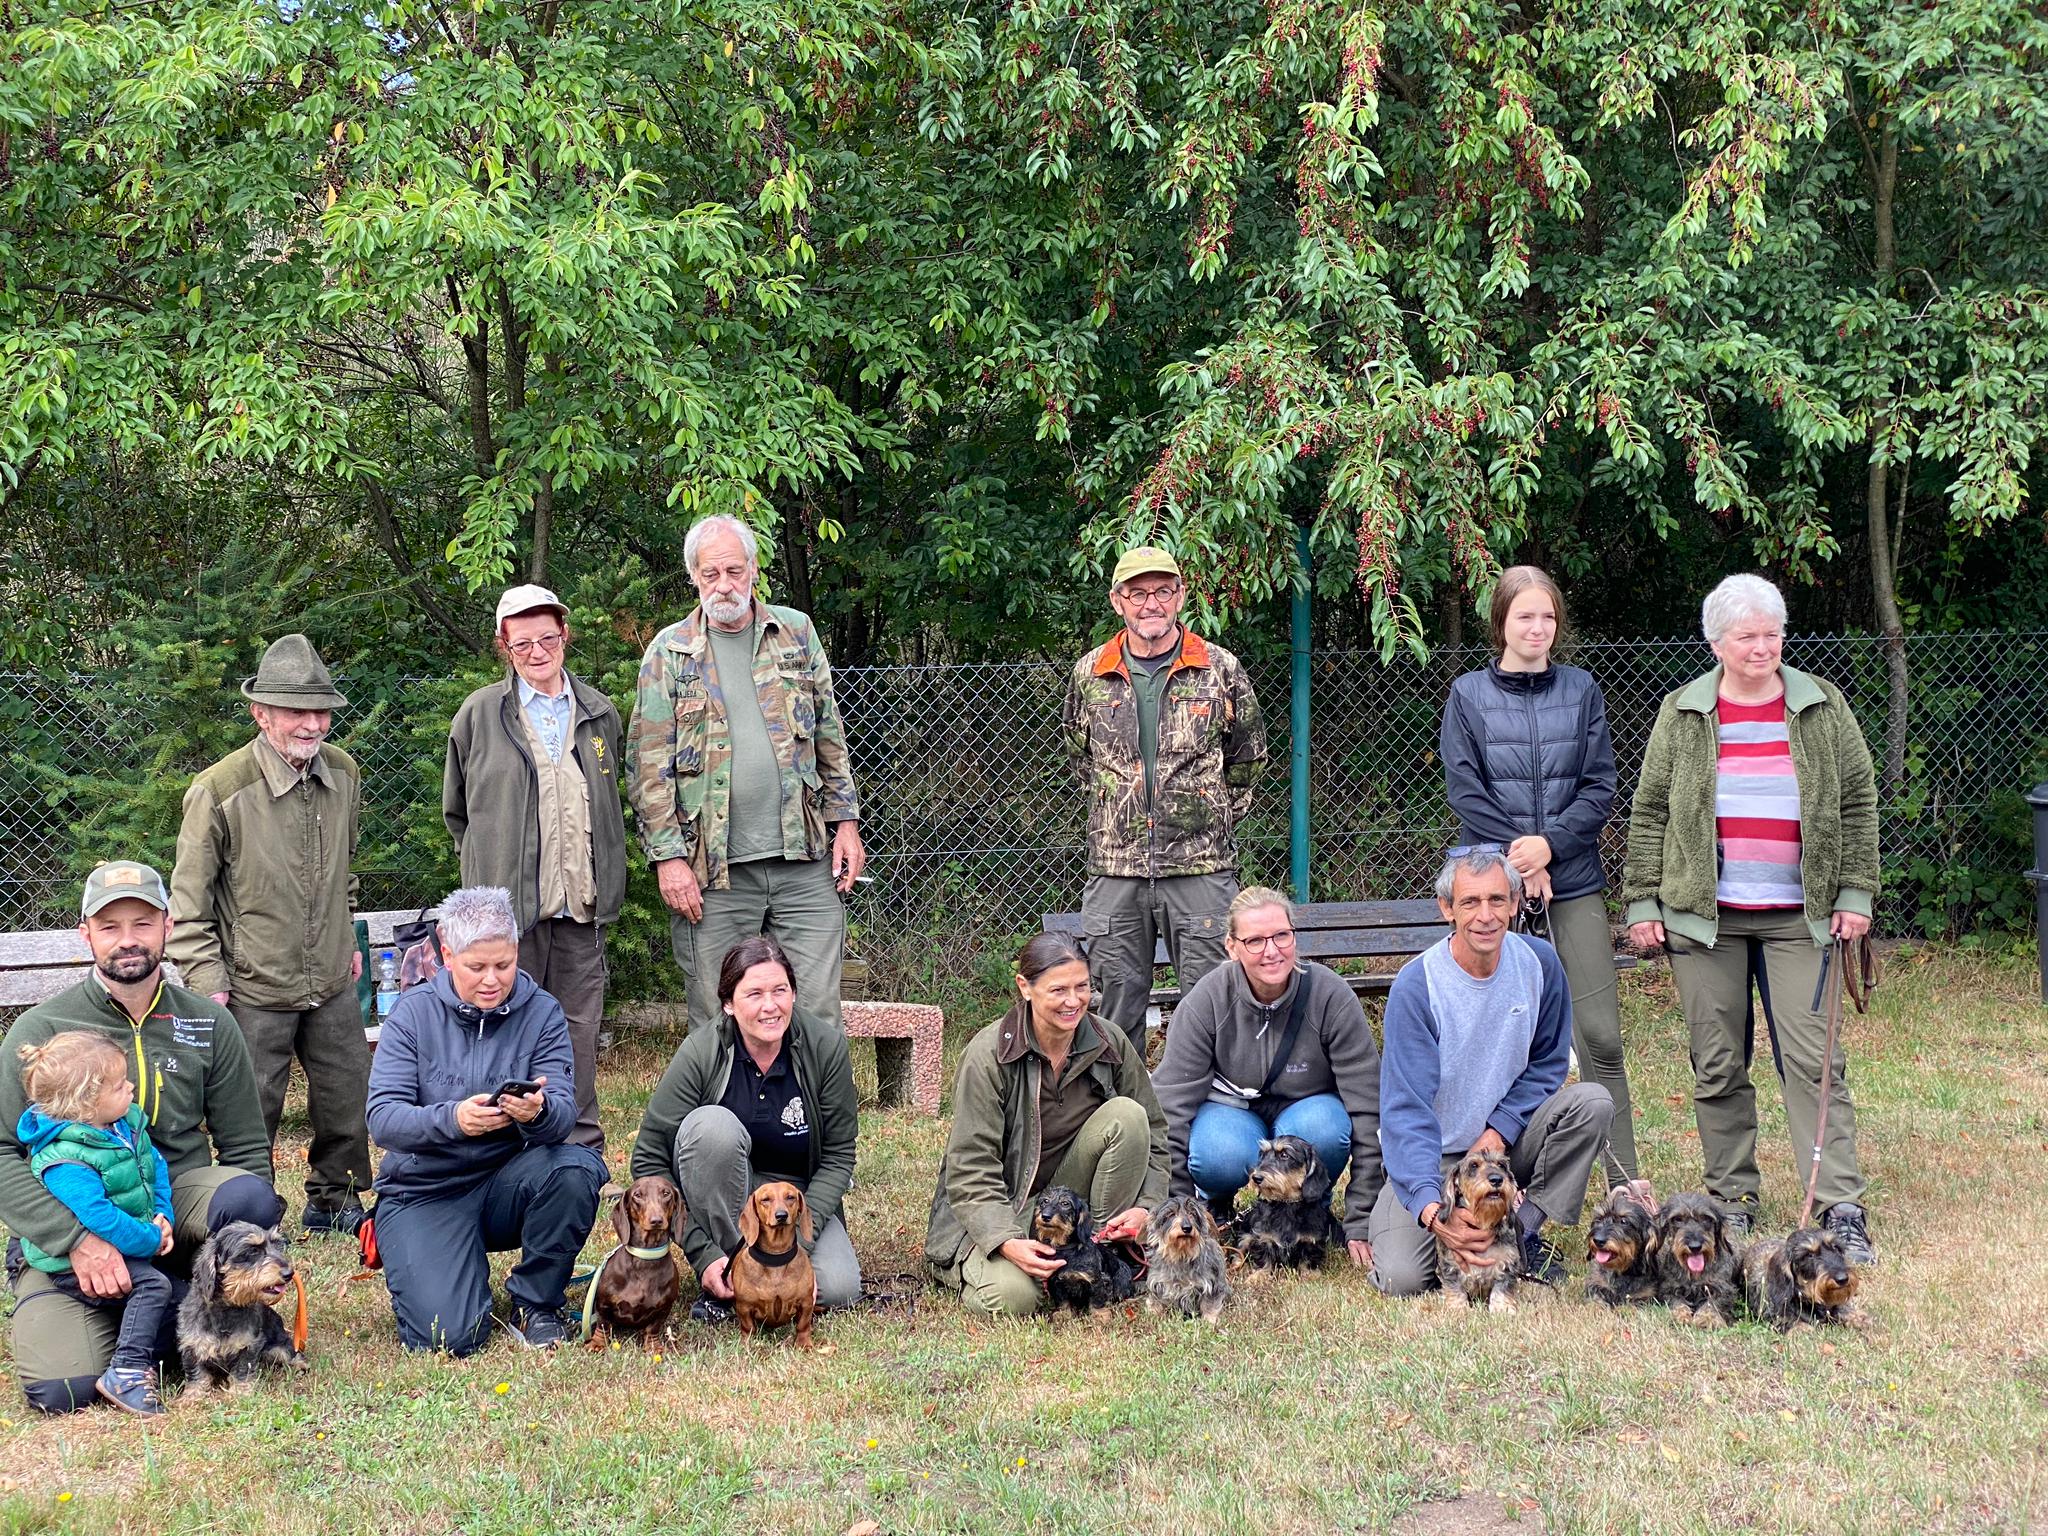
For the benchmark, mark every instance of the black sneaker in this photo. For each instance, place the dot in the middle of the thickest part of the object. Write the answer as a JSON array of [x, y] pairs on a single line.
[[1741, 1222], [539, 1327], [709, 1309], [1846, 1221], [334, 1220], [131, 1390], [1541, 1262]]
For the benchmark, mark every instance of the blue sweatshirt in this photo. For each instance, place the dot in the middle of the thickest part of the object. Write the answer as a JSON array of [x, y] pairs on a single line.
[[86, 1197], [436, 1050], [1464, 1055]]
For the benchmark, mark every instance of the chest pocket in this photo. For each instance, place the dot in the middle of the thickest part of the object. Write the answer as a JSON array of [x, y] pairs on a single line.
[[795, 686], [692, 716], [1193, 718]]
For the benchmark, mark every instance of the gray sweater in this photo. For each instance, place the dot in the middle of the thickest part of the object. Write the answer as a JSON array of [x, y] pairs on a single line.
[[1221, 1030]]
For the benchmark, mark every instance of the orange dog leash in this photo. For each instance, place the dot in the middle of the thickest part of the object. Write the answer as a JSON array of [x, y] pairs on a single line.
[[299, 1313]]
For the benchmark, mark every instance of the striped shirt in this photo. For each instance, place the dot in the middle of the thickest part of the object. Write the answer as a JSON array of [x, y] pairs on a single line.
[[1756, 808]]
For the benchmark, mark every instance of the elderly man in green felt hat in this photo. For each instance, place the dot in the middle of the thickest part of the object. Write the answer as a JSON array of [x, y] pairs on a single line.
[[1164, 728], [262, 903]]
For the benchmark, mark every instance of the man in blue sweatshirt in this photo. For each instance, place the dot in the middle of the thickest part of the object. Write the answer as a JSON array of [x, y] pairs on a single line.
[[1478, 1037]]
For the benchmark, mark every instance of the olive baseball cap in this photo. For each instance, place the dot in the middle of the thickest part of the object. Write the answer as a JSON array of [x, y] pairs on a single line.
[[123, 881], [1145, 560]]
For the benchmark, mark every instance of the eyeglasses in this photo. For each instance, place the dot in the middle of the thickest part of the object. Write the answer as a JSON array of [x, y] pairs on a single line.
[[1151, 597], [1466, 850], [546, 645], [1270, 943]]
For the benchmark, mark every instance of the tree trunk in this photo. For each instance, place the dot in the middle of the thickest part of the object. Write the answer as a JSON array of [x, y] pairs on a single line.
[[476, 357], [384, 530], [1883, 570]]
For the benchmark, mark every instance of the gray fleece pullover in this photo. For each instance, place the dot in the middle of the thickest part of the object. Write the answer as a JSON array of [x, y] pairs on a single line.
[[1221, 1030]]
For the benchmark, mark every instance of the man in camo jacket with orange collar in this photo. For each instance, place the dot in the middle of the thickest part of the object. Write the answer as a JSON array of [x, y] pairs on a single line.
[[1164, 727]]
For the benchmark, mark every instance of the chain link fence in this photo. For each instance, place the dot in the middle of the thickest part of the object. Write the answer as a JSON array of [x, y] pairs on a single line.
[[974, 822]]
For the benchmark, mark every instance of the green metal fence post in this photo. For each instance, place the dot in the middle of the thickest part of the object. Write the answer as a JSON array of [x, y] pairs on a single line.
[[1297, 836]]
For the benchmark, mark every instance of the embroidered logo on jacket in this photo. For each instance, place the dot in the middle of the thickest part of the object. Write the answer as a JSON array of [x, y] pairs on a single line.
[[793, 1116]]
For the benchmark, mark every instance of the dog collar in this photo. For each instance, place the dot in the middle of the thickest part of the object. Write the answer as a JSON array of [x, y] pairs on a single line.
[[648, 1253], [773, 1260]]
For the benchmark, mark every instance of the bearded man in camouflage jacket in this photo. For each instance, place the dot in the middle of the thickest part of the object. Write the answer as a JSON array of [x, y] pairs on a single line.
[[1165, 729], [740, 779]]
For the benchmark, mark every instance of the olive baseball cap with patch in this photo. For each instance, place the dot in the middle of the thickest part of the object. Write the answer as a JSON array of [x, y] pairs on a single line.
[[1145, 560], [123, 882]]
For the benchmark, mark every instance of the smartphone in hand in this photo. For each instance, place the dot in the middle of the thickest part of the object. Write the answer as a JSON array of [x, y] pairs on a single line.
[[512, 1088]]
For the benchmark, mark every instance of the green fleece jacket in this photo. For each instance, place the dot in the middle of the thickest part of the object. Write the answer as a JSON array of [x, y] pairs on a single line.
[[1673, 854], [192, 1079], [697, 1076], [985, 1179]]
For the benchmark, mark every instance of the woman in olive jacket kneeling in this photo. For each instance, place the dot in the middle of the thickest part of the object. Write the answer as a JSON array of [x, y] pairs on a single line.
[[757, 1099], [1048, 1094]]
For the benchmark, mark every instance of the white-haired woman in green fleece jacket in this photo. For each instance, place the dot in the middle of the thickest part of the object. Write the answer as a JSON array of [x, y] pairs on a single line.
[[1751, 846]]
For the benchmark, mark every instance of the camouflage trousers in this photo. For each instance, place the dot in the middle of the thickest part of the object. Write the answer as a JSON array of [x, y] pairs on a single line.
[[1124, 920]]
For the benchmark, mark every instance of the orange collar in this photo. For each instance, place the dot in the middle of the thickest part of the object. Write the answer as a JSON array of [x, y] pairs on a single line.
[[1194, 652]]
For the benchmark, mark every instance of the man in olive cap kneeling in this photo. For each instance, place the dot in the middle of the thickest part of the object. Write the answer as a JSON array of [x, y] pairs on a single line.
[[262, 904]]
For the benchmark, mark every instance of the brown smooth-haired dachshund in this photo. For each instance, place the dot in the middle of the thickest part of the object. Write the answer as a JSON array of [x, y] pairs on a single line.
[[772, 1282], [637, 1288]]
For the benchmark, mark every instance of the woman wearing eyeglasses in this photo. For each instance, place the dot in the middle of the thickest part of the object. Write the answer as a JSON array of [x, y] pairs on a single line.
[[531, 795], [1271, 1045], [1529, 767]]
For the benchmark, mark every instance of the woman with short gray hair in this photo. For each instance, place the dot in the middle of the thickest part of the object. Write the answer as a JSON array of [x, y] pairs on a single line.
[[1753, 840], [472, 1098]]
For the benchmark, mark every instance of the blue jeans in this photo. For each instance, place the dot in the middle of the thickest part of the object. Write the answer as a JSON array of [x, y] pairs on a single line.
[[1223, 1143]]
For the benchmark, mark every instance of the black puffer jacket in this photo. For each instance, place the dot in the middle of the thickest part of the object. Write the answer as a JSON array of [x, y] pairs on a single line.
[[1528, 754]]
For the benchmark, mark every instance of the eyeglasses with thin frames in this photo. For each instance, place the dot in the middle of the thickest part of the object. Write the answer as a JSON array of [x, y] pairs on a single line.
[[545, 645], [1270, 943]]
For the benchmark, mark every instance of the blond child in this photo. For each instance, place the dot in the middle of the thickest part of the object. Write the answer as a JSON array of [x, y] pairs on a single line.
[[89, 1144]]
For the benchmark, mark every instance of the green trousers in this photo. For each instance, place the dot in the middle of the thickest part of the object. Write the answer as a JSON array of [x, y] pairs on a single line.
[[792, 901], [1124, 920], [1714, 988], [328, 1040], [1106, 1162], [1585, 943]]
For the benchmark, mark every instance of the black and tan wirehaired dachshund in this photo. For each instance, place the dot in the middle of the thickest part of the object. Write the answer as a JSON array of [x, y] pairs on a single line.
[[1089, 1275], [1694, 1256], [1289, 1225], [1482, 1187], [227, 1330], [1791, 1282], [1618, 1249]]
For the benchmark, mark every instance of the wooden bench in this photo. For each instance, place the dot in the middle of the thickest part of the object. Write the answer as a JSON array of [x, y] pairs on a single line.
[[35, 967], [1331, 931]]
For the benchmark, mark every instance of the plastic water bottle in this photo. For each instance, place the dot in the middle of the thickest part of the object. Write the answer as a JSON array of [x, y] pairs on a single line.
[[387, 983]]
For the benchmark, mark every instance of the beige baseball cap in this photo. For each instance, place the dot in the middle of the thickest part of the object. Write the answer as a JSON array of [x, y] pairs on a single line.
[[528, 599], [1145, 560], [123, 881]]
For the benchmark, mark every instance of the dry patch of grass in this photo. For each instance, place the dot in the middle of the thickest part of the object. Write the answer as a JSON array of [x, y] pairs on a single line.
[[1318, 1407]]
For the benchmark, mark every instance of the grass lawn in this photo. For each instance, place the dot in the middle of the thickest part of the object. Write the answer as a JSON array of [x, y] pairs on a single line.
[[1319, 1406]]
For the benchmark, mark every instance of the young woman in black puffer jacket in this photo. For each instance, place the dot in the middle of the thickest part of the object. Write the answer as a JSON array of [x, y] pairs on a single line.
[[1529, 768]]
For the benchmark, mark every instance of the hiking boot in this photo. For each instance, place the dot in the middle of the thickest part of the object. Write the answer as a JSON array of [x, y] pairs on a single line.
[[1845, 1221], [1541, 1262], [334, 1220], [1741, 1222], [539, 1327], [710, 1310], [132, 1390]]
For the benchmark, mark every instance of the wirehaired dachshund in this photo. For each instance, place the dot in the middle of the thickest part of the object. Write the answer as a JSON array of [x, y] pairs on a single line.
[[227, 1330], [772, 1281], [1483, 1187], [1618, 1248], [1184, 1268], [1791, 1282], [1090, 1275], [1694, 1257], [637, 1288], [1289, 1225]]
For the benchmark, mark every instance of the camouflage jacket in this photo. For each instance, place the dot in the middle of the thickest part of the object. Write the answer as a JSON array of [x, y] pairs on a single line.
[[680, 743], [1212, 748]]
